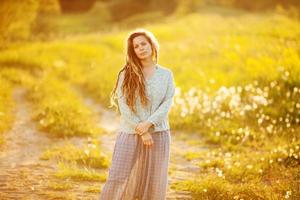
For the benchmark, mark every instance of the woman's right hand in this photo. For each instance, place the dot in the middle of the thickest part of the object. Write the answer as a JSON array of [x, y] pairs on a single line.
[[147, 139]]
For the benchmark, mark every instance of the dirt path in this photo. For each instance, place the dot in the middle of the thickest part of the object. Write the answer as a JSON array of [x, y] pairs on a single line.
[[21, 172]]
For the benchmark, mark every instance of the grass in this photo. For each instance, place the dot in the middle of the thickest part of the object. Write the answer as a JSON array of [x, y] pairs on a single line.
[[90, 155], [61, 115], [77, 173], [66, 24], [211, 186], [237, 86], [59, 186], [221, 57], [270, 172], [55, 195], [6, 107], [93, 189]]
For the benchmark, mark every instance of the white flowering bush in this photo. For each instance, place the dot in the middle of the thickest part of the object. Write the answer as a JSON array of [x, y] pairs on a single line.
[[238, 114]]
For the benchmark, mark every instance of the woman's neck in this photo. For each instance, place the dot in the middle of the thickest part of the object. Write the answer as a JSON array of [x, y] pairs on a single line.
[[147, 63]]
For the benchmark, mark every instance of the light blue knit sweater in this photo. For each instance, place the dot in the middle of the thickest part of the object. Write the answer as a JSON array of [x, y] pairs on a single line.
[[160, 89]]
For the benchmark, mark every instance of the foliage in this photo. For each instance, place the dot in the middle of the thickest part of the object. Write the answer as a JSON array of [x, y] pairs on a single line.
[[6, 107], [89, 155], [61, 115], [16, 19]]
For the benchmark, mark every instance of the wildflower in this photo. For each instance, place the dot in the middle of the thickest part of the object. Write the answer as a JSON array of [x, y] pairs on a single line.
[[247, 107], [273, 84], [242, 113], [42, 122], [240, 130], [212, 81], [249, 166], [270, 128], [286, 73], [227, 154], [239, 89], [59, 63], [87, 152], [219, 172], [288, 194], [295, 89]]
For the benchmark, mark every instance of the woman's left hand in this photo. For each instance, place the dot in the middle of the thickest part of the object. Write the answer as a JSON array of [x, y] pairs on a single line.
[[143, 127]]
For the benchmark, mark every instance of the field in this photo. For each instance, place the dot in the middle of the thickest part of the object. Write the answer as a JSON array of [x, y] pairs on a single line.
[[235, 118]]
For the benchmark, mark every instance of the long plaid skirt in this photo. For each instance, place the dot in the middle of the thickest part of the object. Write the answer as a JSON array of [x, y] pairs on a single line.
[[138, 171]]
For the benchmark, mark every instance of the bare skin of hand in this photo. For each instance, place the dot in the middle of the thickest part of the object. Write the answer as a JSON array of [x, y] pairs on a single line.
[[143, 127], [147, 139], [142, 130]]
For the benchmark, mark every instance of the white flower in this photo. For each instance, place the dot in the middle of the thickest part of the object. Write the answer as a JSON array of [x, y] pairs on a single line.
[[249, 166]]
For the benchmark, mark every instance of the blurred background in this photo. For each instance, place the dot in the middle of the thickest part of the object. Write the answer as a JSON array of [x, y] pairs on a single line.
[[45, 19], [236, 112]]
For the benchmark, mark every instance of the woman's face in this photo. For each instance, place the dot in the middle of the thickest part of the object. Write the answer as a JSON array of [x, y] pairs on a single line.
[[142, 47]]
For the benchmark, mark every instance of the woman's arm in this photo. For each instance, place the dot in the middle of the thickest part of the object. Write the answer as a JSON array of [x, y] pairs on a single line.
[[163, 109]]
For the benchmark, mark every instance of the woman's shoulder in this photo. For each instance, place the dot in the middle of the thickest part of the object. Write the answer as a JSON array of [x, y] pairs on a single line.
[[164, 70], [121, 75]]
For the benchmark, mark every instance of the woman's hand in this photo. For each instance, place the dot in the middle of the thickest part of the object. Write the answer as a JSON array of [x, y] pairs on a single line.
[[143, 127], [147, 139]]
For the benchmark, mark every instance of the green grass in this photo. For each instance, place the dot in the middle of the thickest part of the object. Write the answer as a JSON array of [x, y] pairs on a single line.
[[90, 155], [60, 111], [210, 56], [58, 195], [237, 76], [265, 173], [93, 189], [72, 171], [59, 186], [6, 107], [214, 187], [67, 24]]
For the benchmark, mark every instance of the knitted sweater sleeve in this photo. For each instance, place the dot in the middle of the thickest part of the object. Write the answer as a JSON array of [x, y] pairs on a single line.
[[162, 111]]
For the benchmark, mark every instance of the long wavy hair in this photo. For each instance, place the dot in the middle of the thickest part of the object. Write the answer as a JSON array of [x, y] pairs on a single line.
[[134, 80]]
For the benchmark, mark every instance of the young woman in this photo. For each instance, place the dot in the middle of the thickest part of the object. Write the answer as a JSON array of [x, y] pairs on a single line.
[[145, 91]]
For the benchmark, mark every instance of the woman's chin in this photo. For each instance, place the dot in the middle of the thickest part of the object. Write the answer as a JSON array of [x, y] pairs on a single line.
[[145, 57]]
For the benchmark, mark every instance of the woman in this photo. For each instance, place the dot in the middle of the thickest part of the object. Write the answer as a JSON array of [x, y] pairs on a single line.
[[145, 92]]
